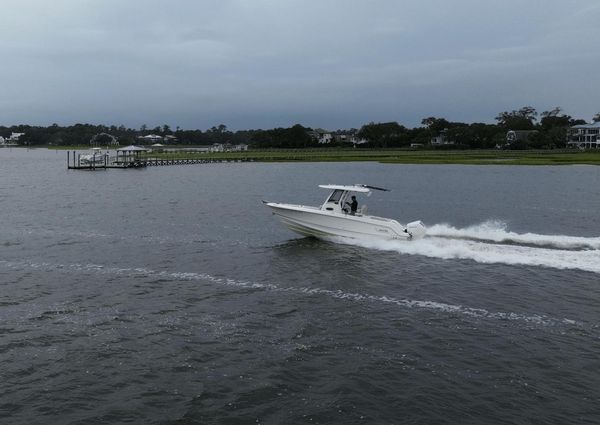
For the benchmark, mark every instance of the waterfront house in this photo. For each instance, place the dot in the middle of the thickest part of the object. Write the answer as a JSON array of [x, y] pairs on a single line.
[[242, 147], [217, 147], [13, 139], [348, 137], [441, 139], [150, 138], [228, 147], [584, 136], [155, 138], [321, 136], [325, 137]]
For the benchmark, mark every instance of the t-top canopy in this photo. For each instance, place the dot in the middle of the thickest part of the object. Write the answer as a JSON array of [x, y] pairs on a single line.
[[352, 188]]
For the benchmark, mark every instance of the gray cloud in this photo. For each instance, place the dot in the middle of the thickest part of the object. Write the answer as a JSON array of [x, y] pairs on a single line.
[[267, 63]]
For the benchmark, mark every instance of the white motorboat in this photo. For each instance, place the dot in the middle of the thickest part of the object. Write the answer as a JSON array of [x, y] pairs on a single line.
[[95, 157], [335, 217]]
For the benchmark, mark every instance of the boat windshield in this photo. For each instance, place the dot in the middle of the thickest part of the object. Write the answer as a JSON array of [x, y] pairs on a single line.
[[335, 196]]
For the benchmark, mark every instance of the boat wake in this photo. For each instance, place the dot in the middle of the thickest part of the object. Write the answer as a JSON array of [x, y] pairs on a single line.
[[173, 276], [491, 242]]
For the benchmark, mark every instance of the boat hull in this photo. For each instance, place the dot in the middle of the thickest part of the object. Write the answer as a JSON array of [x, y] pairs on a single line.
[[97, 159], [311, 221]]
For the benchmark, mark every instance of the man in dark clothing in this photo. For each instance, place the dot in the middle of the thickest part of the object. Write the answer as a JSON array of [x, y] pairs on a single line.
[[353, 205]]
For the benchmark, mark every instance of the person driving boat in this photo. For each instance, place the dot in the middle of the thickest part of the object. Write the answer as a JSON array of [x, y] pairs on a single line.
[[353, 205]]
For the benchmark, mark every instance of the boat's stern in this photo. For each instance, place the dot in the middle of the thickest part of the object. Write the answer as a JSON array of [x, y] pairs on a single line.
[[416, 229]]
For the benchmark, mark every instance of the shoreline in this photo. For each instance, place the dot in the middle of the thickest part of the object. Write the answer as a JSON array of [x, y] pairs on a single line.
[[385, 156]]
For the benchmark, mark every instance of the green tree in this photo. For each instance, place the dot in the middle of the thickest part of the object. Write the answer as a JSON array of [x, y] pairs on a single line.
[[522, 119], [383, 135], [436, 125], [553, 118], [294, 137]]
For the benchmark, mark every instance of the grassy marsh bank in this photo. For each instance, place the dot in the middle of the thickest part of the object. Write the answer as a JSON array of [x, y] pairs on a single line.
[[403, 156]]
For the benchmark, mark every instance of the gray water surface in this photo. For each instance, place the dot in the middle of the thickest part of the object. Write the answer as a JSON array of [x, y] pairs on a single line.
[[171, 295]]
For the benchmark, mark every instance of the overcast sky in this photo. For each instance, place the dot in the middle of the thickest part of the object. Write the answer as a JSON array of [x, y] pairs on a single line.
[[271, 63]]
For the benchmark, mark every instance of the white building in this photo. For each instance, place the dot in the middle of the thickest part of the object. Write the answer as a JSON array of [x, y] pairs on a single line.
[[151, 138], [320, 135], [325, 138], [350, 138], [13, 138], [240, 148], [227, 147], [155, 138], [584, 136], [441, 139]]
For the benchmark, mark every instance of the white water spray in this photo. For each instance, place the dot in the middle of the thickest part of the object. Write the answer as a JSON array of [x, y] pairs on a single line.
[[491, 242]]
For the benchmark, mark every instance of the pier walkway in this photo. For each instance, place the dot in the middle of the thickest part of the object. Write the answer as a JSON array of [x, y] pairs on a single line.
[[75, 162]]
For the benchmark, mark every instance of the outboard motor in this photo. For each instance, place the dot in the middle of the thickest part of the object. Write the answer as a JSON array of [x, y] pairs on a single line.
[[416, 229]]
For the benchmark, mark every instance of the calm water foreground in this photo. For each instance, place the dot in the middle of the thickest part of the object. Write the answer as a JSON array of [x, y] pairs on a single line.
[[171, 296]]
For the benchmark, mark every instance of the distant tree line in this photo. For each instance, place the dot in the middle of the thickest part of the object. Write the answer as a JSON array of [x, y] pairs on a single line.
[[82, 134], [547, 132]]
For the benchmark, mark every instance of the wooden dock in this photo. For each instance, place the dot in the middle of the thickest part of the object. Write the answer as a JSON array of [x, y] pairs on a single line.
[[74, 162], [156, 162]]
